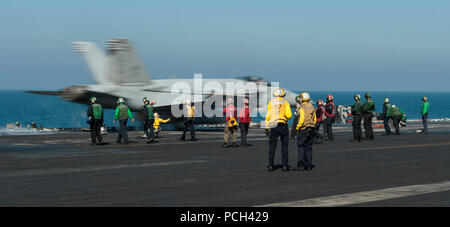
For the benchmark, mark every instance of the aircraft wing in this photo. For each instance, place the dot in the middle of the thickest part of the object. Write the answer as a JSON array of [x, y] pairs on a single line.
[[54, 93], [80, 94]]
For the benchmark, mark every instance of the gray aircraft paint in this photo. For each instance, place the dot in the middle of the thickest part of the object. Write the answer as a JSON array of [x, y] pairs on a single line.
[[119, 73]]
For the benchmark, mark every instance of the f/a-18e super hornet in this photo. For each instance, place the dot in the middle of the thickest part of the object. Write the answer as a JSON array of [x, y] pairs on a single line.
[[119, 73]]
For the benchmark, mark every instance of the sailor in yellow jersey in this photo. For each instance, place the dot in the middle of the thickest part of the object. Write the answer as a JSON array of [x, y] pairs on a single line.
[[278, 114], [157, 122], [189, 122], [305, 133]]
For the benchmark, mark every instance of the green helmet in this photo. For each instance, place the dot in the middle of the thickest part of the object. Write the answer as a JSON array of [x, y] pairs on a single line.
[[92, 99], [121, 100], [145, 100], [357, 96], [368, 95]]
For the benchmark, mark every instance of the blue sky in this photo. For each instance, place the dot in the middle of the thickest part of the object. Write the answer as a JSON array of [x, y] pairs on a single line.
[[305, 45]]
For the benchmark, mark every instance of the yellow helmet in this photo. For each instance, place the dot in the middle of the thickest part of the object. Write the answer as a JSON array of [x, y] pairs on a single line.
[[305, 97], [279, 92]]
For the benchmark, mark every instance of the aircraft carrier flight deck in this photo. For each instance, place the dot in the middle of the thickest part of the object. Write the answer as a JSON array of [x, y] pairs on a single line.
[[62, 169]]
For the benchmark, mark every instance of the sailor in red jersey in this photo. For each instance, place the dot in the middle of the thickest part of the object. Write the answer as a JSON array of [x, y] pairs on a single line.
[[244, 122], [320, 116], [330, 114], [230, 112]]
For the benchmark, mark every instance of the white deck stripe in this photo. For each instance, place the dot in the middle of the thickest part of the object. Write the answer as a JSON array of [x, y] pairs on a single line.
[[40, 172], [367, 196]]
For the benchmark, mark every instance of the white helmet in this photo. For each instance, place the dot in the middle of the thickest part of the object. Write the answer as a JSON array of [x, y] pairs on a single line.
[[386, 100], [279, 92], [121, 100], [305, 97], [188, 101], [230, 101]]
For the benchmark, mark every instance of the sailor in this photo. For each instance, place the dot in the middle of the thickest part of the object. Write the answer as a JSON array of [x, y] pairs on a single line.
[[278, 114], [305, 133], [320, 116], [298, 104], [387, 114], [230, 112], [369, 107], [189, 120], [397, 116], [158, 121], [404, 118], [330, 114], [122, 113], [424, 112], [95, 114], [244, 122], [357, 110], [147, 110]]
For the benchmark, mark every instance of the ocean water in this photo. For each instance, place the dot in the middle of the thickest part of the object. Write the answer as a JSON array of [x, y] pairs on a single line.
[[54, 112]]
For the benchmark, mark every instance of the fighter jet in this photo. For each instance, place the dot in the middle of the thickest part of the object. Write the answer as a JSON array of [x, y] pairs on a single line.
[[119, 73]]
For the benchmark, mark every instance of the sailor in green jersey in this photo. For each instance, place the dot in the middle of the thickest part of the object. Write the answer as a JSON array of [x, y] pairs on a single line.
[[123, 113], [368, 109], [396, 117], [404, 118], [149, 119], [387, 114], [425, 107], [95, 114], [357, 111]]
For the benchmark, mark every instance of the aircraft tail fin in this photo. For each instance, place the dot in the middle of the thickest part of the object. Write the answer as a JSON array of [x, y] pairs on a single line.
[[124, 65], [120, 65], [95, 58]]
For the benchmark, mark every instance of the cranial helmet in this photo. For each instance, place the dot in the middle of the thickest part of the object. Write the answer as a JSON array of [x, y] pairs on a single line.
[[320, 102], [279, 92], [246, 102], [330, 98], [305, 97]]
